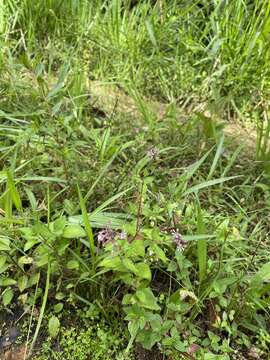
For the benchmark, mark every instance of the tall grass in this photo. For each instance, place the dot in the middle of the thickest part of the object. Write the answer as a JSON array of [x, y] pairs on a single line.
[[64, 167], [218, 46]]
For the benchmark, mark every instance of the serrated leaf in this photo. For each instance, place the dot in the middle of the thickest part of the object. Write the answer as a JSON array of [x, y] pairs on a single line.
[[73, 232], [128, 299], [136, 248], [130, 265], [143, 271], [159, 253], [53, 326], [147, 299]]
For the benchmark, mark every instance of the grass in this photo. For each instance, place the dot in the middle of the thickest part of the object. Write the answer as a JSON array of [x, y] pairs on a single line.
[[127, 198]]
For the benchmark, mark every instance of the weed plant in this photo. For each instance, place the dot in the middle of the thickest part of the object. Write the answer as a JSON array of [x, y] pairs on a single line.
[[157, 223]]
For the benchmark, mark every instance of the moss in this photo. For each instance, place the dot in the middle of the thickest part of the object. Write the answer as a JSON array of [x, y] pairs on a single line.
[[97, 342]]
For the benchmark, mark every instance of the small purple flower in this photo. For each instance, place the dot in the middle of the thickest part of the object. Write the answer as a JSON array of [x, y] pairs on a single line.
[[105, 236], [181, 244], [122, 235], [153, 153]]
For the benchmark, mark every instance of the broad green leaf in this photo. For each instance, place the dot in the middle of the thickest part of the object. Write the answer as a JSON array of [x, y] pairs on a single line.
[[22, 283], [25, 260], [148, 338], [4, 268], [143, 271], [159, 253], [147, 299], [263, 275], [33, 280], [73, 232], [102, 219], [264, 272], [114, 263], [73, 264], [128, 299], [3, 259], [30, 243], [136, 248], [133, 328], [7, 297], [179, 345], [130, 265], [53, 326], [58, 308], [42, 259], [58, 226], [60, 296], [7, 282], [4, 244]]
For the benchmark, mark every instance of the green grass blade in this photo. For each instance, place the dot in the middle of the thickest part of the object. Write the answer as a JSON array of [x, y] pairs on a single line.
[[216, 158], [201, 246], [87, 224], [233, 157], [207, 184], [13, 191], [42, 310], [111, 200], [103, 219]]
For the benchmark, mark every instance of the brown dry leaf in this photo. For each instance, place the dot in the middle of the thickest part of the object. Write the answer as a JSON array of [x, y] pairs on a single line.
[[213, 316], [17, 353], [254, 353], [193, 349]]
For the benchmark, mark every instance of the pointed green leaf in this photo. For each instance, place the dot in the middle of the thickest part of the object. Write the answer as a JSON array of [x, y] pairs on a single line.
[[7, 297], [22, 282], [73, 232], [136, 248], [4, 244], [147, 299], [143, 271]]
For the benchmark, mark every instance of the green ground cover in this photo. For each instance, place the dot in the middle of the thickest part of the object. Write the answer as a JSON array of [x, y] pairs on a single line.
[[134, 215]]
